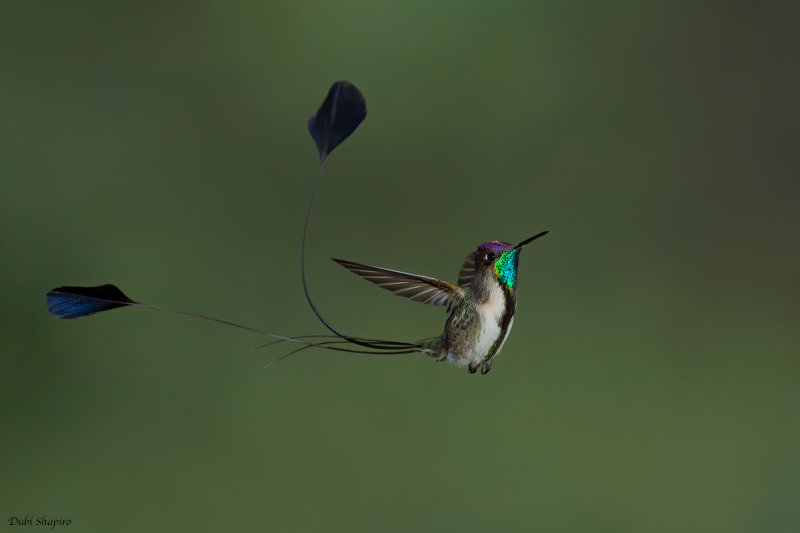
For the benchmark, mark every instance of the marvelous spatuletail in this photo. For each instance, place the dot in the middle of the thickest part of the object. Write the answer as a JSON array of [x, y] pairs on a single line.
[[481, 305]]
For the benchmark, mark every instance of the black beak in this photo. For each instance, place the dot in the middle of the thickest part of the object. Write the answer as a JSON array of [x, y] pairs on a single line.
[[526, 241]]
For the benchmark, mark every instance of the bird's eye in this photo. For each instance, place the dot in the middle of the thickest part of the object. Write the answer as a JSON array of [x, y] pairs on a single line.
[[489, 258]]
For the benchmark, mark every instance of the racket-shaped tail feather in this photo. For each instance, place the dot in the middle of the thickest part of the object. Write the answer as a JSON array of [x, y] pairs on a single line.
[[70, 302]]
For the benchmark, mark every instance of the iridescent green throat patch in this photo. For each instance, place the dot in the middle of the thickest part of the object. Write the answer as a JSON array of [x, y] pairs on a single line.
[[506, 268]]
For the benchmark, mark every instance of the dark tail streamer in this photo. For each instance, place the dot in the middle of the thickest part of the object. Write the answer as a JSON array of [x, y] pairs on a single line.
[[340, 114], [77, 302], [342, 111]]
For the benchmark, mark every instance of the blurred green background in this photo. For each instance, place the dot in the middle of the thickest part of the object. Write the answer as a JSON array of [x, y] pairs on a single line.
[[651, 382]]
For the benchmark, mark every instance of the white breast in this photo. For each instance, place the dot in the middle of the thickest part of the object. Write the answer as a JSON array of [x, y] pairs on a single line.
[[508, 330], [491, 314]]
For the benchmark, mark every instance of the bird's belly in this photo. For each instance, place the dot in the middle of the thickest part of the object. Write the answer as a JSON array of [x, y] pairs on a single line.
[[472, 331], [486, 338], [471, 344]]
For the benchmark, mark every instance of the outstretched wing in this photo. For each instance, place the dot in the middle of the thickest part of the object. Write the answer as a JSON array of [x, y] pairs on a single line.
[[421, 289]]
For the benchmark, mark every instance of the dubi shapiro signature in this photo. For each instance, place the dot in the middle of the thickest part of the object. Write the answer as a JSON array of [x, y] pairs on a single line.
[[41, 520]]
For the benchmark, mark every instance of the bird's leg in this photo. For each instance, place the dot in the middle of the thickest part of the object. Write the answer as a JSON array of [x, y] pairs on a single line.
[[486, 367]]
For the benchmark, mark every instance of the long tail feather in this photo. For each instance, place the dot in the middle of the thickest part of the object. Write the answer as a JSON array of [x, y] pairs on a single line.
[[342, 111], [328, 346], [70, 302], [339, 115]]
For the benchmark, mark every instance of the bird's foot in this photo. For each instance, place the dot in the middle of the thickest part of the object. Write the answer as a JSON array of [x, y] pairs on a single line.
[[473, 367], [486, 367]]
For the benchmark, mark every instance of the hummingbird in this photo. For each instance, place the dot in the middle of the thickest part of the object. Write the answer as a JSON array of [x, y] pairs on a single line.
[[481, 305]]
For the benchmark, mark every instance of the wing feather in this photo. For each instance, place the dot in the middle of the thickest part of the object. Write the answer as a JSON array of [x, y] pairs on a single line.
[[467, 273], [417, 288]]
